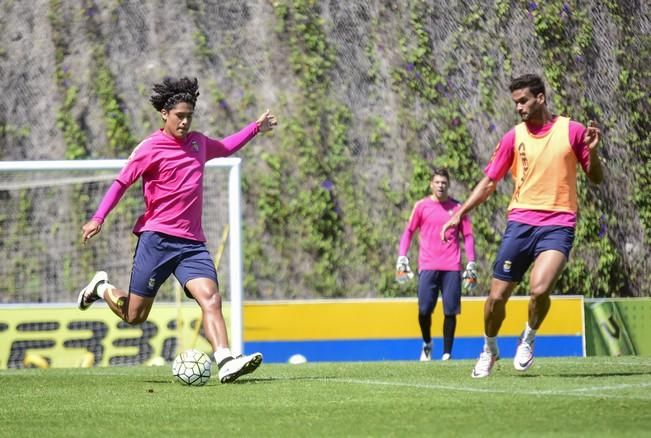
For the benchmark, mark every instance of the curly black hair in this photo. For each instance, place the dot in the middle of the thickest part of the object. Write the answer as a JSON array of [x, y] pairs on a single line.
[[172, 91]]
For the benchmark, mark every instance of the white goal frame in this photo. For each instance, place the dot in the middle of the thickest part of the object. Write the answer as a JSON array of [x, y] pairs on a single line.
[[234, 220]]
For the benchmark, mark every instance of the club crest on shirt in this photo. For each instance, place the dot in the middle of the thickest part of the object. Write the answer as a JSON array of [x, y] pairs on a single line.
[[195, 146], [507, 266]]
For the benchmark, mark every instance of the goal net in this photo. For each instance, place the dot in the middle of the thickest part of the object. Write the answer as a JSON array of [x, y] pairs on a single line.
[[45, 204]]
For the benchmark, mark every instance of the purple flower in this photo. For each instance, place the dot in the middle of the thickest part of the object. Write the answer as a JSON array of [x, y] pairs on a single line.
[[223, 104], [603, 227], [533, 6], [328, 185], [491, 127], [566, 9], [91, 10], [456, 122], [410, 67]]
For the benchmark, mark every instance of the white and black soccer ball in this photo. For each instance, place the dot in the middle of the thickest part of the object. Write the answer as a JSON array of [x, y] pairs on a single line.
[[192, 367]]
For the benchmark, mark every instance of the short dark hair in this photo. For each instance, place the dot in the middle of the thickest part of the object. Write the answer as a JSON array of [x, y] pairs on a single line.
[[441, 171], [172, 91], [533, 82]]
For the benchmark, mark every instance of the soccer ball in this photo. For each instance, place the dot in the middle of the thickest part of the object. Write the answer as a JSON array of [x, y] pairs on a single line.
[[192, 367]]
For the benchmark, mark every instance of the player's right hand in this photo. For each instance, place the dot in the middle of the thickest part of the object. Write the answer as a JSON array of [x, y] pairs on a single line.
[[267, 121], [403, 271], [90, 229], [452, 223]]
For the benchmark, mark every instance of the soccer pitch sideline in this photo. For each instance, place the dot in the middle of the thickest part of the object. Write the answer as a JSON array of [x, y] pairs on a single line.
[[595, 396]]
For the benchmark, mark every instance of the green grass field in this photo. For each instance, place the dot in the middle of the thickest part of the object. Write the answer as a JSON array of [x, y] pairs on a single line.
[[556, 397]]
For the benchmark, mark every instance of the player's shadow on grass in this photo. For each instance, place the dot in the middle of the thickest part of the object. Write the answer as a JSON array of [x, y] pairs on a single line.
[[248, 380], [160, 382], [591, 375]]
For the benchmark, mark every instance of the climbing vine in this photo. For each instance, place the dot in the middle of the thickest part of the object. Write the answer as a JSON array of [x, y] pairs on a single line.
[[565, 32], [315, 228]]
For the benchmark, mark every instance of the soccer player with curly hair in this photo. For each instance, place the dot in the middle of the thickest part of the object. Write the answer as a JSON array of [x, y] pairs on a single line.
[[171, 240]]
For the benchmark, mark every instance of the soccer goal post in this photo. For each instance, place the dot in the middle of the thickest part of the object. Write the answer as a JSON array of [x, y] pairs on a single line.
[[40, 249]]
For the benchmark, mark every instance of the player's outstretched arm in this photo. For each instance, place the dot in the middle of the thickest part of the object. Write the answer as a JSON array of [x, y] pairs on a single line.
[[591, 139], [110, 200], [480, 193], [266, 121]]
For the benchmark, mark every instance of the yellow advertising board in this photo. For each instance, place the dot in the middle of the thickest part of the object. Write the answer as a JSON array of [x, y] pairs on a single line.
[[321, 330], [64, 336]]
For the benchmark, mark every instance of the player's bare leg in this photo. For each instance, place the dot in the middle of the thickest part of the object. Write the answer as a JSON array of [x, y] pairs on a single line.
[[206, 292], [131, 308], [546, 270], [494, 314], [495, 305]]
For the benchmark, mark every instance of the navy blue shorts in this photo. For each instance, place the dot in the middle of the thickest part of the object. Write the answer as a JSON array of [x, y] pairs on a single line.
[[159, 255], [448, 283], [522, 243]]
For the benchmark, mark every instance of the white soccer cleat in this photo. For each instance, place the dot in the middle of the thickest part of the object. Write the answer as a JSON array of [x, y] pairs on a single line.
[[446, 356], [523, 356], [484, 365], [426, 353], [88, 295], [232, 368]]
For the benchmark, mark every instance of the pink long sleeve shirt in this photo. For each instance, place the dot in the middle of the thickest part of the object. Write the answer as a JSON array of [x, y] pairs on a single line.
[[172, 180], [428, 217]]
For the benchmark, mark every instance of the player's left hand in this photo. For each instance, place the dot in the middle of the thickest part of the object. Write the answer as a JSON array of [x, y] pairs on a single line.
[[470, 277], [592, 135], [266, 121]]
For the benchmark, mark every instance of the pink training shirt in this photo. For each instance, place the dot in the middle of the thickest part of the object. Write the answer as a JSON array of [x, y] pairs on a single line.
[[500, 164], [172, 180], [429, 216]]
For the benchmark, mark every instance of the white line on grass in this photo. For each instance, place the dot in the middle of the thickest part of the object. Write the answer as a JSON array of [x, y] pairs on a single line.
[[585, 363], [603, 388], [578, 392]]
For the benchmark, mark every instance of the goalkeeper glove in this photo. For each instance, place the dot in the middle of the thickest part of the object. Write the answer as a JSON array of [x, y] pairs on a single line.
[[403, 271], [470, 277]]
